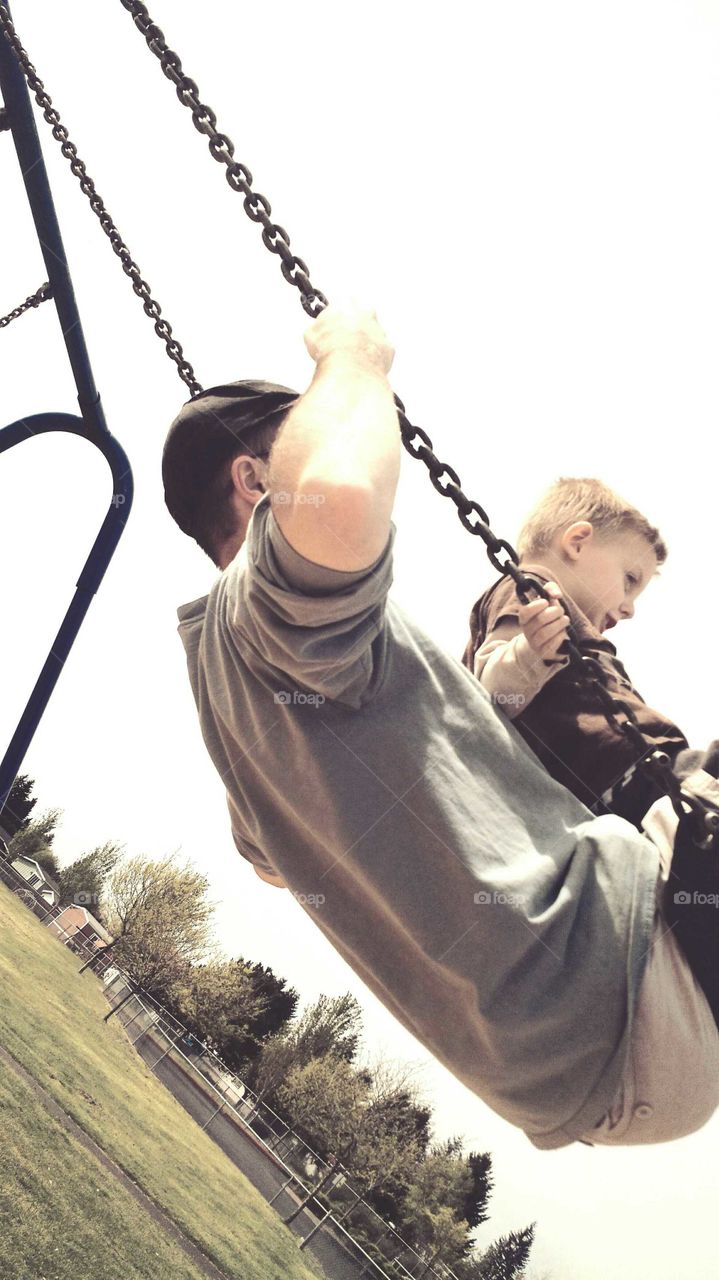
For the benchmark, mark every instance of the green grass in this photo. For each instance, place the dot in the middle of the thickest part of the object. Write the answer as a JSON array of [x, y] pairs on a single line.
[[62, 1215], [51, 1021]]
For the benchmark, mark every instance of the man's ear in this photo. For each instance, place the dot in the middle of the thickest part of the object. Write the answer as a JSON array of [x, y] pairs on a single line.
[[245, 477]]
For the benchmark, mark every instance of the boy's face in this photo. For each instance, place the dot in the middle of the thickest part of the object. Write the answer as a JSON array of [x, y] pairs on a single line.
[[605, 576]]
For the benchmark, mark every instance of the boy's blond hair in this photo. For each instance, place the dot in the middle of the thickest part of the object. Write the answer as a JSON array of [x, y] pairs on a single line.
[[569, 500]]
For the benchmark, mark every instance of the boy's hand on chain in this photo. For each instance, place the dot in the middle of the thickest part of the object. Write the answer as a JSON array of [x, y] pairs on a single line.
[[690, 760], [544, 625]]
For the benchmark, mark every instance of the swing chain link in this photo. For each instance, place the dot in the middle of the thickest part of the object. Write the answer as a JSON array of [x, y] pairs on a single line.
[[257, 207], [150, 306], [43, 294]]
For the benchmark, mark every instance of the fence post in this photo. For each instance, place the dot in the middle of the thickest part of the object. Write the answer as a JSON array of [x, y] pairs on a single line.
[[143, 1032], [101, 951], [278, 1139], [214, 1113], [172, 1044], [320, 1223], [116, 1007], [284, 1187]]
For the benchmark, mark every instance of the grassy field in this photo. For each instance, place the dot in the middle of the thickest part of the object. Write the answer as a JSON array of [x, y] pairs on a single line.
[[51, 1021], [60, 1216]]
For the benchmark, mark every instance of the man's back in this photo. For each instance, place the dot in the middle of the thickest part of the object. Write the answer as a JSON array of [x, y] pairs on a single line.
[[478, 900]]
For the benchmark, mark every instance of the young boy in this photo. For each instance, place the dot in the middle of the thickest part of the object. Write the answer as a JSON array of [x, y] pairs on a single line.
[[596, 555]]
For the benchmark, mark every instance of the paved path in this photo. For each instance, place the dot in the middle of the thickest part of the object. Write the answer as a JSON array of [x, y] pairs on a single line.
[[252, 1157]]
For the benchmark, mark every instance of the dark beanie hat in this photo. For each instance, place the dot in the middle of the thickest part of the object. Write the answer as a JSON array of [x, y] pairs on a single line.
[[207, 431]]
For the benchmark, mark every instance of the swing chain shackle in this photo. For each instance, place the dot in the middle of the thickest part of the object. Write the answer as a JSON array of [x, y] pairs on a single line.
[[257, 207], [44, 293], [151, 307]]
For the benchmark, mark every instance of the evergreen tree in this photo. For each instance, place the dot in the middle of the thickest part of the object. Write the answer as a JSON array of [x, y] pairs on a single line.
[[83, 881], [280, 1002], [474, 1207], [442, 1181], [18, 806], [507, 1258], [34, 840], [333, 1024]]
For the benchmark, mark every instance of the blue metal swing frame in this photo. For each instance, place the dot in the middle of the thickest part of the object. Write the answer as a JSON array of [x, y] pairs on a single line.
[[90, 425]]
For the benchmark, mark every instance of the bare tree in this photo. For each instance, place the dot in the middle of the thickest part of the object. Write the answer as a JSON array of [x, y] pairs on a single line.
[[160, 917]]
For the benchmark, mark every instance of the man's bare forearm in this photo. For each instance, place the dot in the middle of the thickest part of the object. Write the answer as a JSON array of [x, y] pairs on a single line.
[[343, 432], [335, 463]]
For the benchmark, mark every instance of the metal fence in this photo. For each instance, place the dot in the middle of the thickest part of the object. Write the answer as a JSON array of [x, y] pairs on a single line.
[[374, 1243], [271, 1154]]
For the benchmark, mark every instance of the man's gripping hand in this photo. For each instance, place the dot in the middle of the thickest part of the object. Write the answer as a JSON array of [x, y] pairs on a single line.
[[353, 331], [544, 625]]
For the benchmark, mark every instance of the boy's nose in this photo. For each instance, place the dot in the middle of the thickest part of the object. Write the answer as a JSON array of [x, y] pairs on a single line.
[[627, 609]]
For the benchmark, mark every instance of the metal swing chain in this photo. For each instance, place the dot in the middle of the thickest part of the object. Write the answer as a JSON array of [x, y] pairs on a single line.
[[151, 308], [653, 762], [43, 294], [656, 763], [257, 207]]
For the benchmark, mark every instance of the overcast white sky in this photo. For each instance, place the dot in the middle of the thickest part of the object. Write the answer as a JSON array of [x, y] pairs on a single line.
[[528, 194]]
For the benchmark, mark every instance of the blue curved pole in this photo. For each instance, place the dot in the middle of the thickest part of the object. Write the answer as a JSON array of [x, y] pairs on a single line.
[[87, 584], [18, 122]]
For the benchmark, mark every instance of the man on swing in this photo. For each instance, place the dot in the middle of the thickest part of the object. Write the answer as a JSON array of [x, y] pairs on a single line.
[[518, 937]]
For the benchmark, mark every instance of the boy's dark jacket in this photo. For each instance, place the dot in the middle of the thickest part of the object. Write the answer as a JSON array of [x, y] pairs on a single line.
[[564, 723]]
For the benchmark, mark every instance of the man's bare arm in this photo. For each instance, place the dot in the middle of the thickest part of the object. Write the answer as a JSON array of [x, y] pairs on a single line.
[[334, 467]]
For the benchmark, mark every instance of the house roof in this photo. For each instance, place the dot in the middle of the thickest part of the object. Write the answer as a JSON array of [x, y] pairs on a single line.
[[52, 884], [90, 920], [100, 929]]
